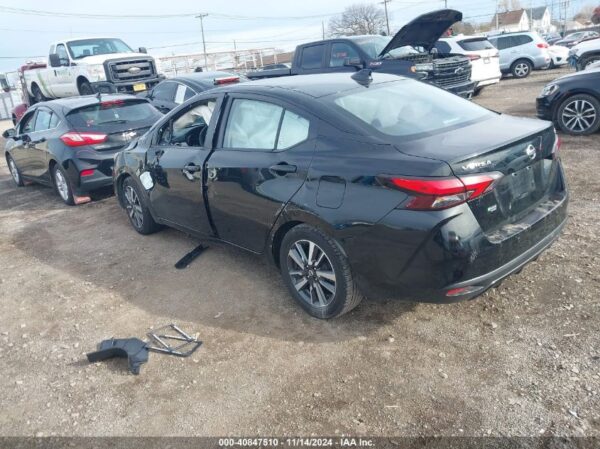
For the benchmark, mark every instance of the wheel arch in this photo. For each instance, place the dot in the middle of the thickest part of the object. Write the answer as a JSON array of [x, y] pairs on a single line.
[[119, 187]]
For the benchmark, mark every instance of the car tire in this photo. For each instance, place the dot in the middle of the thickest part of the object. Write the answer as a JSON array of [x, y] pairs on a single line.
[[14, 171], [62, 185], [317, 273], [137, 210], [521, 68], [85, 88], [477, 91], [579, 115], [38, 96], [589, 61]]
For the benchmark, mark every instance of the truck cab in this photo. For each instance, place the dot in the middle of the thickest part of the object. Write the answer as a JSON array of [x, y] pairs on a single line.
[[87, 66]]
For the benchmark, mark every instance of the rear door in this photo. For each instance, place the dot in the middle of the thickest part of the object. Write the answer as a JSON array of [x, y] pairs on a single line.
[[261, 160], [176, 160]]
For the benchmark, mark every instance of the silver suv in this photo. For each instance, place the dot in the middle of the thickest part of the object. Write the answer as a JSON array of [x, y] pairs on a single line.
[[520, 53]]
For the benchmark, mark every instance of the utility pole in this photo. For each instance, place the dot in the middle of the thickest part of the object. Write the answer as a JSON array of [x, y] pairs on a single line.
[[387, 20], [323, 28], [201, 17]]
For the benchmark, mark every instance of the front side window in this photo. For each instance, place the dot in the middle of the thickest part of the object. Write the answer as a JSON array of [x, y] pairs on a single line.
[[312, 57], [190, 127], [26, 124], [340, 53], [43, 119], [408, 108], [91, 47]]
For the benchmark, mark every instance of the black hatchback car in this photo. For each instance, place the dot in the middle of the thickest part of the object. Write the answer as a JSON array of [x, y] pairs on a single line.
[[350, 183], [70, 143], [573, 102], [171, 93]]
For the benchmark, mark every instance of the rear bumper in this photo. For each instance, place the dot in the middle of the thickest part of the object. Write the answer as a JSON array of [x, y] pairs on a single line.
[[489, 81], [423, 255], [101, 163]]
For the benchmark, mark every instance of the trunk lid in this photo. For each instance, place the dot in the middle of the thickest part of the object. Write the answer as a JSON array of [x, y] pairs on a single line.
[[424, 31], [529, 170]]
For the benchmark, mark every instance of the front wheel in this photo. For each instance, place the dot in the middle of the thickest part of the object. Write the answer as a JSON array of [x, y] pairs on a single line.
[[14, 171], [521, 68], [139, 215], [317, 273], [579, 115], [38, 96], [85, 88]]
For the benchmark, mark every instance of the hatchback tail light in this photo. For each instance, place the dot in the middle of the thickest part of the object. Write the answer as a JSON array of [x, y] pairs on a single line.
[[442, 193], [75, 139], [473, 57], [227, 80], [543, 45]]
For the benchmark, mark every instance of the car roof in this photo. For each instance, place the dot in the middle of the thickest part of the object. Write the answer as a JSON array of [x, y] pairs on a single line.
[[66, 105], [298, 86]]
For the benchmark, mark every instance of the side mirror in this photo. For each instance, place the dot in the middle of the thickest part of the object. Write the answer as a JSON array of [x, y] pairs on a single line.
[[354, 62], [143, 50], [9, 133], [54, 60], [25, 138]]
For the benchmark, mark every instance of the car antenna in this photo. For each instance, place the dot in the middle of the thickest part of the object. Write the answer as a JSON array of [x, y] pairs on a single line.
[[99, 96], [363, 77]]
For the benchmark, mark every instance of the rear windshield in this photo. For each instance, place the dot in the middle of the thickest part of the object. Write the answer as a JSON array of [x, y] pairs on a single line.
[[476, 44], [114, 114], [409, 107]]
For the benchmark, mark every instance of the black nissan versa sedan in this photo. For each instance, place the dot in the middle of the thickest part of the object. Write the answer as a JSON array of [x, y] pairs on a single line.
[[348, 182], [70, 143], [573, 102]]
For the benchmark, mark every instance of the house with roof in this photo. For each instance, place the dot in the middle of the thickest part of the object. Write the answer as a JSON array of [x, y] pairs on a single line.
[[511, 21], [541, 19]]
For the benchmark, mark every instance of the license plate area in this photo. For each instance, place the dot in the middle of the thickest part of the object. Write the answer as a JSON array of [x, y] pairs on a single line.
[[139, 87], [521, 183], [486, 60]]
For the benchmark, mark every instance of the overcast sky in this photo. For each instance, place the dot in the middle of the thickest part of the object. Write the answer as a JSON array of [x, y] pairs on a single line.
[[252, 24]]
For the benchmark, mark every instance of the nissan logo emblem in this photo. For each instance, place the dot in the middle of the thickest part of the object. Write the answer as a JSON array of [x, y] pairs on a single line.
[[530, 152]]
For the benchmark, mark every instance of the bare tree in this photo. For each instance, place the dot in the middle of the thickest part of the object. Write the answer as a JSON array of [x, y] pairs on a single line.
[[463, 28], [585, 13], [358, 19], [509, 5]]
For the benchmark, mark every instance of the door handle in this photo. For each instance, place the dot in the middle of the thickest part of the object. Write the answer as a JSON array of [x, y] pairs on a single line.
[[192, 168], [283, 168]]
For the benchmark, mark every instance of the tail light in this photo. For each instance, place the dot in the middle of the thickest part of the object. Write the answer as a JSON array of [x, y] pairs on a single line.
[[473, 57], [543, 45], [87, 172], [75, 139], [442, 193], [111, 103], [227, 80]]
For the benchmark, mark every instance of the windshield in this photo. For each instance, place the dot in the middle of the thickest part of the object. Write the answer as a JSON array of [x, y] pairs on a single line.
[[91, 47], [574, 36], [104, 116], [409, 107]]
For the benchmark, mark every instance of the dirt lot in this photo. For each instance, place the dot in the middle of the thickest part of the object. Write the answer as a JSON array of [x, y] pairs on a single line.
[[522, 360]]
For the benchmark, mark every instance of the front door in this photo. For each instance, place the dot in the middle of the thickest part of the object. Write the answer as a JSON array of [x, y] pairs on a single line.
[[176, 161], [20, 150], [261, 160]]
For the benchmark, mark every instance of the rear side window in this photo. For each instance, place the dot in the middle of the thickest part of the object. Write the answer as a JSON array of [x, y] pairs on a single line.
[[114, 113], [476, 45], [258, 125], [312, 57]]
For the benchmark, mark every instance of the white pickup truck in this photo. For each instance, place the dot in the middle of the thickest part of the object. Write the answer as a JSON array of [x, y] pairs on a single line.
[[87, 66]]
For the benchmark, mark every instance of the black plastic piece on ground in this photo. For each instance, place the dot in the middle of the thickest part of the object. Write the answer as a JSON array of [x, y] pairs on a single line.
[[134, 349], [189, 257]]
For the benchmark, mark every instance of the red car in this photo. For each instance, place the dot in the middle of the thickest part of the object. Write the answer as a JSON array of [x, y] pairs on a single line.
[[20, 109]]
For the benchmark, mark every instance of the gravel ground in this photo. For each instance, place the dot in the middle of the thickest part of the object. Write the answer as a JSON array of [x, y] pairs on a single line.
[[522, 360]]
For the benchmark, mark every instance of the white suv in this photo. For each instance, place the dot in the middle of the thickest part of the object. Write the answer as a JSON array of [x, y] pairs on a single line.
[[484, 57], [520, 53]]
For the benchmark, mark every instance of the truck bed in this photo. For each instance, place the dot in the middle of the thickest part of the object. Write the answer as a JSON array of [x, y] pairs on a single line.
[[273, 73]]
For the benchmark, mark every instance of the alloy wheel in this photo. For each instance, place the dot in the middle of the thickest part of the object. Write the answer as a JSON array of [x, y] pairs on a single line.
[[13, 170], [61, 185], [521, 69], [578, 116], [134, 207], [312, 273]]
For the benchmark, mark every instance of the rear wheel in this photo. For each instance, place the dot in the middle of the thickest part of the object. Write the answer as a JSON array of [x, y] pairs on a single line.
[[14, 171], [317, 273], [62, 185], [139, 215], [579, 115], [589, 61], [521, 68]]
